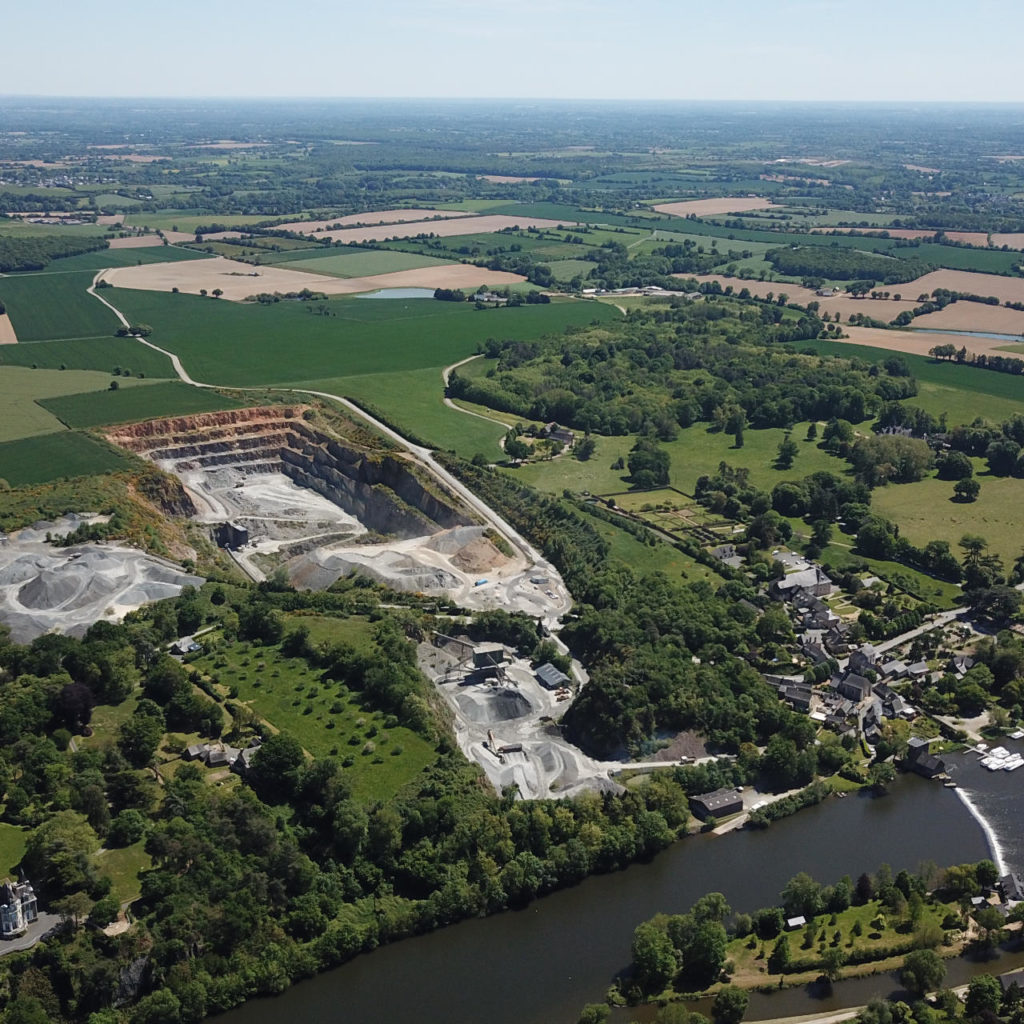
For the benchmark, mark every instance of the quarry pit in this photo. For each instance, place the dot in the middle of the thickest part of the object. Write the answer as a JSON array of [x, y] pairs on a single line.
[[281, 489]]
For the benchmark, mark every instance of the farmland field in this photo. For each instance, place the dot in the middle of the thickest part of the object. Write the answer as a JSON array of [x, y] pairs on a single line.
[[102, 258], [247, 345], [44, 306], [22, 390], [412, 403], [361, 263], [171, 398], [89, 354], [35, 460]]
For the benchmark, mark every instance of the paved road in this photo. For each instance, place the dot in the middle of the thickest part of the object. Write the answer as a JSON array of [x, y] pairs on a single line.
[[37, 931]]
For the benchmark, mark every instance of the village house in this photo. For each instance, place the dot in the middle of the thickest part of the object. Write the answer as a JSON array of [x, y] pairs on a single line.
[[556, 433], [920, 759], [18, 909], [812, 580]]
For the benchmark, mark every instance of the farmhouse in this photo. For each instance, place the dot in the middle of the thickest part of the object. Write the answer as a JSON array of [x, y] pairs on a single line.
[[717, 804], [811, 580], [557, 433], [18, 909]]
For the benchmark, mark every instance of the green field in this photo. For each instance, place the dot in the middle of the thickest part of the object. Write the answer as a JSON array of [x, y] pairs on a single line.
[[36, 460], [12, 849], [925, 512], [172, 398], [44, 306], [250, 345], [21, 390], [124, 866], [362, 263], [325, 717], [566, 270], [189, 220], [103, 258], [102, 354], [411, 402]]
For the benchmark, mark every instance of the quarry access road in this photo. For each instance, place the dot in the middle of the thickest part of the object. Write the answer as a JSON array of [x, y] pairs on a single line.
[[562, 602]]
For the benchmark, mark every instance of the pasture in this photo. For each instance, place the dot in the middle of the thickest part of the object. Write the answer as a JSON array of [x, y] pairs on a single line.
[[252, 345], [44, 306], [102, 354], [36, 460], [170, 398], [925, 511]]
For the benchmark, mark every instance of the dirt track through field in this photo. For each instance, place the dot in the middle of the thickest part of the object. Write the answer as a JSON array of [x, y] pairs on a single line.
[[7, 335], [711, 207], [238, 284], [441, 228]]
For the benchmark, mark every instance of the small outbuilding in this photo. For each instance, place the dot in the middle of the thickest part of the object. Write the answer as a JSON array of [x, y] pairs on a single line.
[[550, 677], [718, 804]]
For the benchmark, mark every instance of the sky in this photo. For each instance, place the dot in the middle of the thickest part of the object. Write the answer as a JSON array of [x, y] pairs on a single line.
[[846, 50]]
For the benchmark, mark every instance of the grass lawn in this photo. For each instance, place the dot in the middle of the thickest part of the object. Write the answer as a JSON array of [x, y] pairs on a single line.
[[750, 957], [925, 512], [643, 558], [103, 354], [361, 263], [594, 475], [43, 306], [22, 388], [326, 718], [168, 398], [944, 595], [36, 460], [124, 866], [696, 452], [106, 720], [12, 848], [412, 403], [250, 345]]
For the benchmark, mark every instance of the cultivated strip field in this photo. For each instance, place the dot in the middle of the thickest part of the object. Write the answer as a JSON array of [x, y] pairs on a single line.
[[136, 242], [1006, 289], [917, 343], [878, 309], [967, 237], [238, 284], [712, 207], [305, 227], [440, 228], [7, 335], [974, 316]]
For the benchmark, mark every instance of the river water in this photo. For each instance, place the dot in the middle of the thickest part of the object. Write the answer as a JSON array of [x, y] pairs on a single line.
[[541, 964]]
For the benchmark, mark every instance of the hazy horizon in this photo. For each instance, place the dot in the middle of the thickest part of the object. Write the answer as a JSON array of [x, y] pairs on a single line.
[[798, 50]]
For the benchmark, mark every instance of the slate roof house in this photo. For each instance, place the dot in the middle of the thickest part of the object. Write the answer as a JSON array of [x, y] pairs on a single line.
[[18, 909]]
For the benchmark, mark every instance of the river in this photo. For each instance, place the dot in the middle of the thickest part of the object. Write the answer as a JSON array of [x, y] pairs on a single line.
[[541, 964]]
